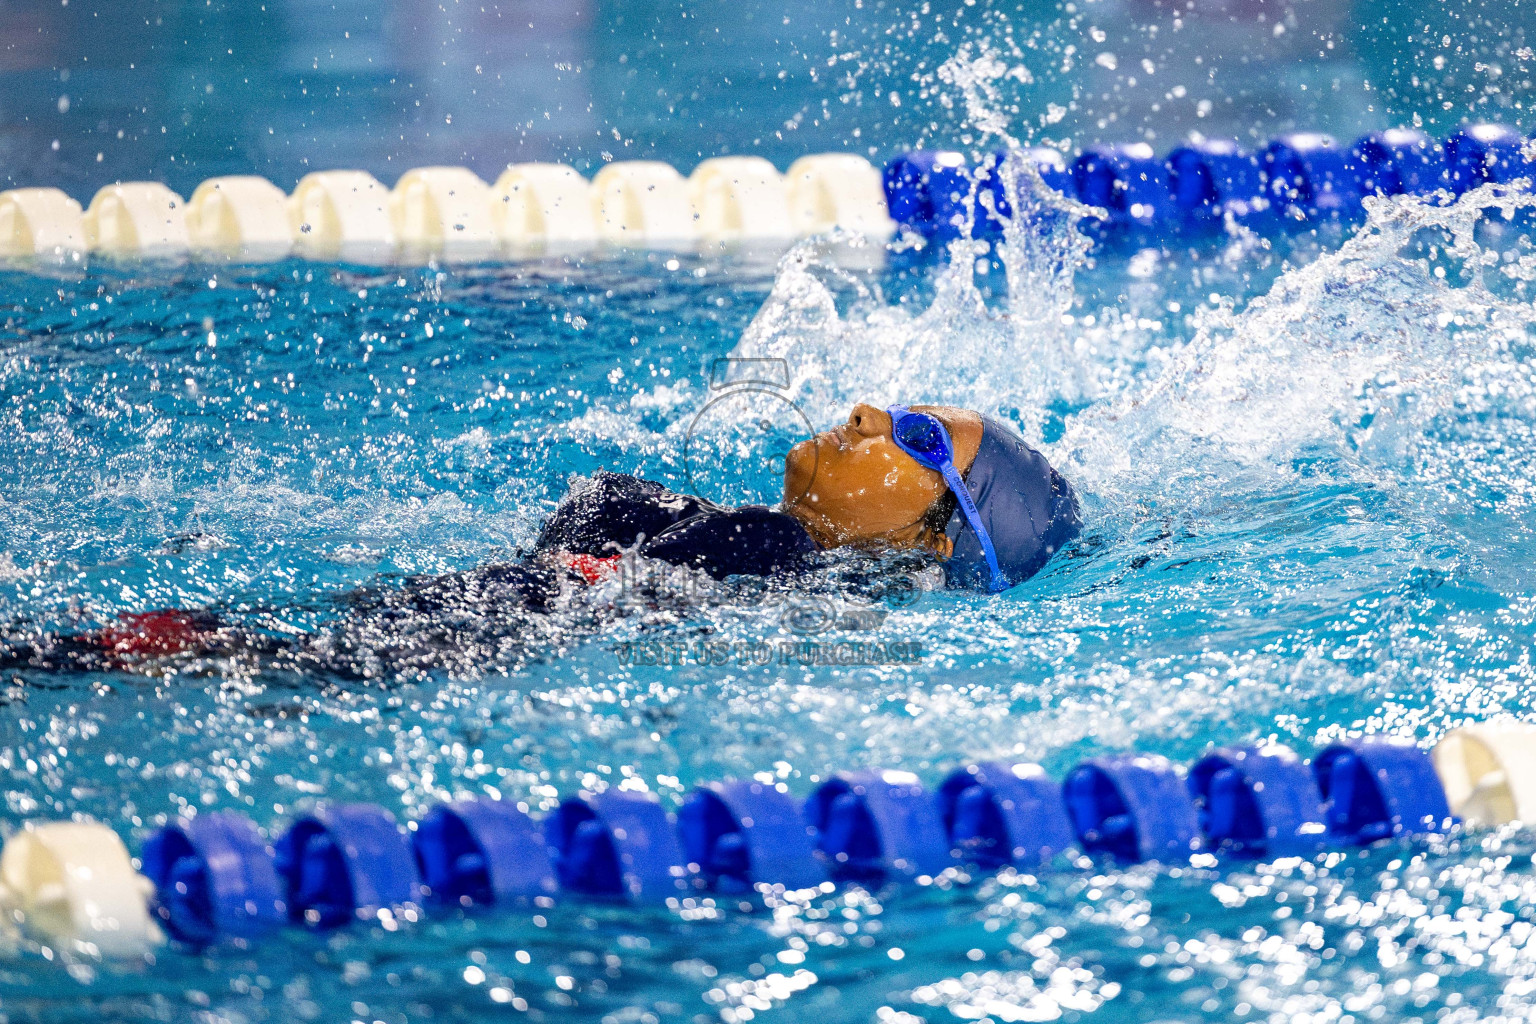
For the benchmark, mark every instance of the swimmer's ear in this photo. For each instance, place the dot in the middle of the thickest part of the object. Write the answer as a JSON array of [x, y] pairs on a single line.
[[941, 544]]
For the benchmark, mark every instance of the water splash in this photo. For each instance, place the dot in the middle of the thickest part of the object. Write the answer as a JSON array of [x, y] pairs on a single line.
[[958, 350], [1356, 354], [979, 71]]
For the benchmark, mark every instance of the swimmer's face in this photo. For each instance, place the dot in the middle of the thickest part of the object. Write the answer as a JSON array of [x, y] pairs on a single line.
[[854, 485]]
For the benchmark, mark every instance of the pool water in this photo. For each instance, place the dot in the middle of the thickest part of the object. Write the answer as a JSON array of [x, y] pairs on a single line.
[[1307, 460], [1306, 472]]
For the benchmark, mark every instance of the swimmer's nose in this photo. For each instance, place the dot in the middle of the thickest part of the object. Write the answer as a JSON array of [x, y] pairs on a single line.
[[869, 421]]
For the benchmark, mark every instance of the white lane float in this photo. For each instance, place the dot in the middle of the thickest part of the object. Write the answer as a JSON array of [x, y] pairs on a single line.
[[450, 213], [40, 222], [136, 218], [642, 203], [1489, 772], [240, 215], [443, 212], [342, 215], [75, 888], [543, 206], [740, 199], [837, 190]]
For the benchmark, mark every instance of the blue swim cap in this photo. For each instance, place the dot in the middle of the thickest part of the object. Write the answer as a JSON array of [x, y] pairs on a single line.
[[1028, 509]]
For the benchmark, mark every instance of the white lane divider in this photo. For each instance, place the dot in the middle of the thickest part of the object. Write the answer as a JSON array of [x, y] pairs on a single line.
[[443, 211], [136, 218], [642, 203], [75, 887], [536, 205], [837, 190], [342, 215], [1489, 772], [241, 215], [740, 198], [450, 213], [40, 222]]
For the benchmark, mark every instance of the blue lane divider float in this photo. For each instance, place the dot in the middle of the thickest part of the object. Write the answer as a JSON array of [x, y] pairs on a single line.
[[994, 178], [1402, 161], [346, 861], [485, 852], [913, 184], [1310, 174], [1213, 178], [737, 834], [216, 878], [938, 194], [1306, 176], [1133, 808], [1480, 153], [618, 845], [1377, 788], [877, 825], [1258, 802], [999, 814], [1127, 181]]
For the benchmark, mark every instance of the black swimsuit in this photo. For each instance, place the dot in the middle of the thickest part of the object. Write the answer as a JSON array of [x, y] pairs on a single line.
[[433, 621], [615, 511], [464, 621], [601, 518]]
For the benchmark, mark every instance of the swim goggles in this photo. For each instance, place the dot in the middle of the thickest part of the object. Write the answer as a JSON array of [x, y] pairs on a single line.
[[924, 438]]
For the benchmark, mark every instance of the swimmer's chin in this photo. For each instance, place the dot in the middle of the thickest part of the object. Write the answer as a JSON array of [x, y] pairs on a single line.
[[799, 473]]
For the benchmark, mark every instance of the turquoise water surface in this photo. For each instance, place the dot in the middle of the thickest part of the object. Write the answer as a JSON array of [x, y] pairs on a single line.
[[1306, 516], [1306, 461]]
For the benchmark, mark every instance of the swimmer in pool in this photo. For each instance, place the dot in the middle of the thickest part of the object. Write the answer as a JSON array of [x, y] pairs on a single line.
[[963, 490]]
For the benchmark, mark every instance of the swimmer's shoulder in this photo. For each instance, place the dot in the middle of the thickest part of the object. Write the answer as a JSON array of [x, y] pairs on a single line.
[[751, 540], [610, 510]]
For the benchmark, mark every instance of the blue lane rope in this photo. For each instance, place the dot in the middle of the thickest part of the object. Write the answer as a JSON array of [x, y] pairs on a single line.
[[217, 879], [1305, 175]]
